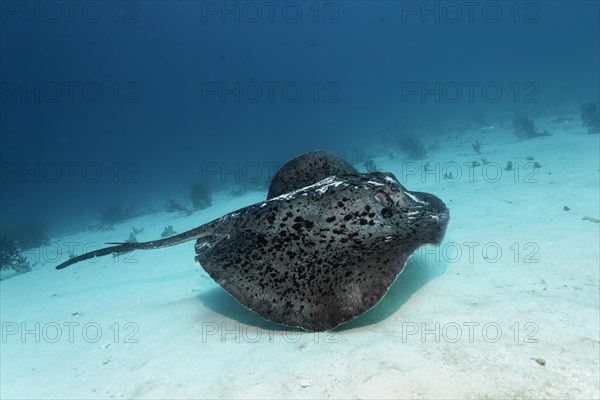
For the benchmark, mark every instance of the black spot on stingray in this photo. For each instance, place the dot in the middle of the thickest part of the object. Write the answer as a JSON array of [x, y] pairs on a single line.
[[260, 240], [387, 212], [330, 219]]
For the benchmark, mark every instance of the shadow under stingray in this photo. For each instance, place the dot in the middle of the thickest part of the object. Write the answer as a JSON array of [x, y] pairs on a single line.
[[415, 275]]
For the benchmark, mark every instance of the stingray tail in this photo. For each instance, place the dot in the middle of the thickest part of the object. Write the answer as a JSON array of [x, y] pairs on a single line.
[[192, 234]]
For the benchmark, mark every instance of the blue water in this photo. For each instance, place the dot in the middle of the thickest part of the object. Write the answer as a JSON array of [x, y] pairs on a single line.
[[129, 102]]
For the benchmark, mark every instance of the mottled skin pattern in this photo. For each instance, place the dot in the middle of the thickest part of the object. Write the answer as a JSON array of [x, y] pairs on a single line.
[[319, 252], [307, 169], [324, 254]]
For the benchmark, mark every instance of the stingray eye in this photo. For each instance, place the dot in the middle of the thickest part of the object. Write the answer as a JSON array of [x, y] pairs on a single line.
[[383, 199]]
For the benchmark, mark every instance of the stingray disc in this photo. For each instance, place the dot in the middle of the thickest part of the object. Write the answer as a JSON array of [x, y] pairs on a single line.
[[324, 254]]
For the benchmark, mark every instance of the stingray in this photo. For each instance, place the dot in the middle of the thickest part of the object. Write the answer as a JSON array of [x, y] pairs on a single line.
[[324, 247]]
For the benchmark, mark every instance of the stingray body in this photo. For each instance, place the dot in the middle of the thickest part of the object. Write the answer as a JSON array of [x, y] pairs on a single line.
[[321, 250]]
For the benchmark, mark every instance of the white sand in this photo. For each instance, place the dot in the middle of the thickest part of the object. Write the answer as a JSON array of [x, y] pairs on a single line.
[[181, 336]]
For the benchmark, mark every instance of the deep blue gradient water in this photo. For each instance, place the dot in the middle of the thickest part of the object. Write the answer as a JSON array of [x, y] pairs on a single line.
[[126, 103]]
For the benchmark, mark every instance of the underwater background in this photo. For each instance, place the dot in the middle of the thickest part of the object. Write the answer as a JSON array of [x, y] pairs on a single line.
[[127, 101], [124, 118]]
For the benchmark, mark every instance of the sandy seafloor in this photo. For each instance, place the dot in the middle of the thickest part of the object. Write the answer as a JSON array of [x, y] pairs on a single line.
[[159, 327]]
